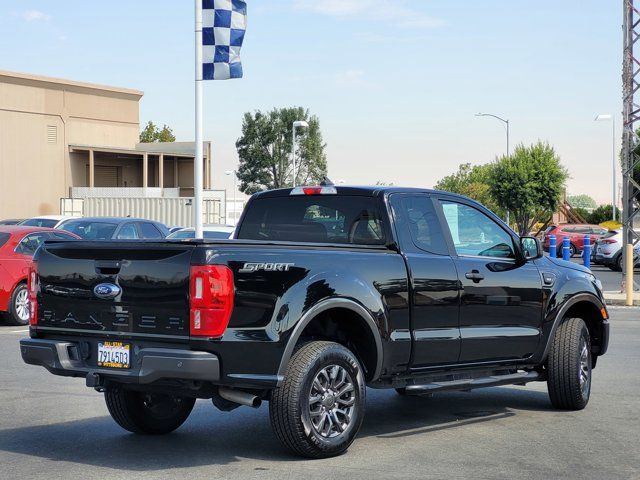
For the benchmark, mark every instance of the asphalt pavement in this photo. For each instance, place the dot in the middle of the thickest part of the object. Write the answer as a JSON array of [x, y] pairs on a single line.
[[53, 427]]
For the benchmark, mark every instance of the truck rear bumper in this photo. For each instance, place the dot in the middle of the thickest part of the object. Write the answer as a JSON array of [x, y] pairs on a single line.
[[149, 365]]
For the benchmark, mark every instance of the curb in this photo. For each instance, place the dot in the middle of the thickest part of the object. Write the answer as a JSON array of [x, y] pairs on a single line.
[[620, 299]]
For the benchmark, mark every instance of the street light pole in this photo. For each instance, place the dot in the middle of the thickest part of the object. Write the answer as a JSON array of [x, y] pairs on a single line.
[[506, 122], [503, 120], [301, 124], [600, 118]]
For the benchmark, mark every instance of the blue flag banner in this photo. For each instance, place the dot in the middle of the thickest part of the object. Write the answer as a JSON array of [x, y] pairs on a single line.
[[223, 26]]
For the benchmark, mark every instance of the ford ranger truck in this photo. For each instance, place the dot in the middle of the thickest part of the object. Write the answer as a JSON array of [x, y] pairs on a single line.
[[322, 292]]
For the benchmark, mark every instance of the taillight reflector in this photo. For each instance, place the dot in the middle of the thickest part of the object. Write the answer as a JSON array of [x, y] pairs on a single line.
[[32, 288], [211, 300]]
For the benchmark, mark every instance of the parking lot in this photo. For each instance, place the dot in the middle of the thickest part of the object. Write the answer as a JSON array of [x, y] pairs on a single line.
[[54, 427]]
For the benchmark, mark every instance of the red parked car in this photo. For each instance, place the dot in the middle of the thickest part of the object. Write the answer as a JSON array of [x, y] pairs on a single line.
[[576, 233], [17, 246]]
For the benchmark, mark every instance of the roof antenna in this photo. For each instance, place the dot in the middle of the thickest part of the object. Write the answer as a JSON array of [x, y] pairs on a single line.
[[326, 182]]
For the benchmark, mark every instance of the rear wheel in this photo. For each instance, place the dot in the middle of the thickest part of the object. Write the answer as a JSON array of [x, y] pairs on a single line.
[[19, 306], [318, 410], [147, 413], [569, 366]]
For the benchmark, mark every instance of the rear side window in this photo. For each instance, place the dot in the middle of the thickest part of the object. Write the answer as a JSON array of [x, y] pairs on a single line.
[[3, 238], [150, 231], [30, 243], [417, 222], [315, 219], [128, 232]]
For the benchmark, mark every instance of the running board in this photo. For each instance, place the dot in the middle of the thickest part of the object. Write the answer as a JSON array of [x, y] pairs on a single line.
[[519, 378]]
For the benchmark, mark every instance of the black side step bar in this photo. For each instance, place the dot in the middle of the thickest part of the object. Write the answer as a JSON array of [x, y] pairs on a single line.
[[470, 383]]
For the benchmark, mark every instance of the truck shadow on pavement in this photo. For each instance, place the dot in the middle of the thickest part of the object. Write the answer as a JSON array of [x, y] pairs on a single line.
[[210, 437]]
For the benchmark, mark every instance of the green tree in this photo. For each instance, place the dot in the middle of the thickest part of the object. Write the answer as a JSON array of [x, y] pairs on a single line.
[[602, 214], [473, 182], [529, 183], [582, 201], [264, 150], [151, 133]]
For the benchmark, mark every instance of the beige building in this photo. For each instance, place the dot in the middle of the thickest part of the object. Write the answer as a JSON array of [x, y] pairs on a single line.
[[66, 139]]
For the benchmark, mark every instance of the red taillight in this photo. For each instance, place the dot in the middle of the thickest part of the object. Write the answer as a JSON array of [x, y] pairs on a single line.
[[32, 288], [211, 300], [607, 241]]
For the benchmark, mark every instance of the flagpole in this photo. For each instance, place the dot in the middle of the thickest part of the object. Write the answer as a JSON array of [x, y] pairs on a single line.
[[198, 160]]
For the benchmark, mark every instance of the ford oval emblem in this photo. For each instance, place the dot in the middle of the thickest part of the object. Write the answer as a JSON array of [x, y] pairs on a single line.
[[106, 290]]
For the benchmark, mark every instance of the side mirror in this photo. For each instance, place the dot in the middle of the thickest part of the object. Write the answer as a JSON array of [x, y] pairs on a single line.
[[531, 248]]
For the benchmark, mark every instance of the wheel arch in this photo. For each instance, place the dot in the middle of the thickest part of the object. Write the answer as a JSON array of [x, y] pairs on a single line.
[[339, 319], [589, 308]]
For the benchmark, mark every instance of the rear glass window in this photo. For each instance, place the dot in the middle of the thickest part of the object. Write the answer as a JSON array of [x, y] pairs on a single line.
[[314, 218], [40, 222], [89, 230], [3, 238]]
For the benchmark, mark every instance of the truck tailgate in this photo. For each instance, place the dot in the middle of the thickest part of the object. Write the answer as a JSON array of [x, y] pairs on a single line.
[[143, 289]]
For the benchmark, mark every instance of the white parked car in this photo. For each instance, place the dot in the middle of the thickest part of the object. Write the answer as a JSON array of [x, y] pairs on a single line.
[[210, 232], [48, 221], [607, 251]]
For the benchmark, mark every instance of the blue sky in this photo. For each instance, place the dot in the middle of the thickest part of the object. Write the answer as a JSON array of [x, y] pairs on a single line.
[[395, 83]]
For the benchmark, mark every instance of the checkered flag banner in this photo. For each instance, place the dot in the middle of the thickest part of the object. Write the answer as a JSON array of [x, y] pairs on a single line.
[[223, 25]]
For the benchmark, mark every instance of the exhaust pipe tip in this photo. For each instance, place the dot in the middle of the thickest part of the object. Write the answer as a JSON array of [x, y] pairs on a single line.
[[240, 397]]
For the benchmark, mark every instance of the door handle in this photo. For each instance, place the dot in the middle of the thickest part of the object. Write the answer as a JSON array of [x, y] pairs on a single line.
[[474, 275]]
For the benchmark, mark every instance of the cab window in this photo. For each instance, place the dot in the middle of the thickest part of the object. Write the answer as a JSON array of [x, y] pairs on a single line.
[[475, 234]]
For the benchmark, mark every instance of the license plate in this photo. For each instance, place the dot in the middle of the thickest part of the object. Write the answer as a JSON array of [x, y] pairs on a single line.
[[114, 355]]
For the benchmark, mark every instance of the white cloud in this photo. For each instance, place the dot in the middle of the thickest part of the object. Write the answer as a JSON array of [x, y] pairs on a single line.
[[35, 16], [395, 12]]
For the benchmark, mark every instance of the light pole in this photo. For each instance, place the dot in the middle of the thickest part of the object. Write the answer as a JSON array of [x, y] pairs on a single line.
[[301, 124], [506, 122], [602, 118], [235, 188], [503, 120]]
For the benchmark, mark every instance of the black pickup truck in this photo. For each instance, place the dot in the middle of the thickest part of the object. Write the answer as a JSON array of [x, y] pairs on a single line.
[[322, 292]]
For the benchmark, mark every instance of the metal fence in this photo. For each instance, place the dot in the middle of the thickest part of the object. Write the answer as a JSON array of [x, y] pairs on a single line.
[[170, 211]]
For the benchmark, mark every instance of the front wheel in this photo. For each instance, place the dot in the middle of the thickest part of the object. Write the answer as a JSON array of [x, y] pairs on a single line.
[[569, 366], [318, 410], [147, 413]]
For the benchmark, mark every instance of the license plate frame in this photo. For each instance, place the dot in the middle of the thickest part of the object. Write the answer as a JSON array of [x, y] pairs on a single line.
[[114, 355]]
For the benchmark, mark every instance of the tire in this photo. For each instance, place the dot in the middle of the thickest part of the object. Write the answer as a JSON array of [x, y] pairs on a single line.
[[573, 250], [569, 366], [144, 413], [18, 305], [316, 375], [619, 263]]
